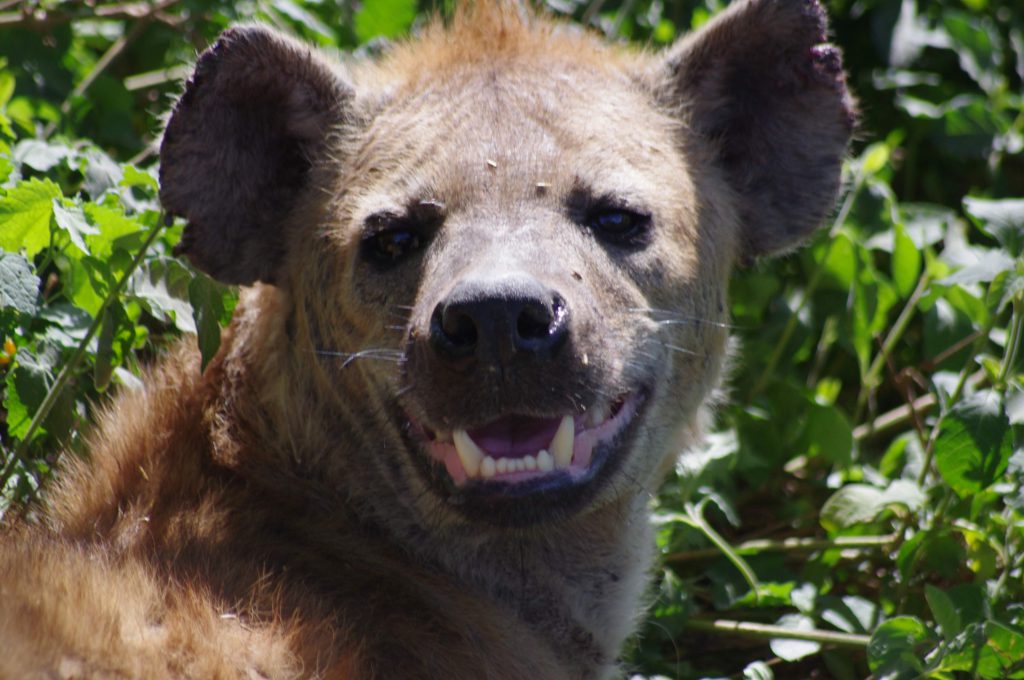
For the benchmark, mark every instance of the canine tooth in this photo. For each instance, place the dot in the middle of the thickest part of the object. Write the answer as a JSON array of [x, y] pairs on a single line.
[[487, 467], [599, 413], [530, 463], [469, 453], [561, 444], [502, 464], [545, 462]]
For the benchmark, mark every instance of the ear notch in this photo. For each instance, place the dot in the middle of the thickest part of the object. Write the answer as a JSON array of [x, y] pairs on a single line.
[[239, 147], [762, 86]]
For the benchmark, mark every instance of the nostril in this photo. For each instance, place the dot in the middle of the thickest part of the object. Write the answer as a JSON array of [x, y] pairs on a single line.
[[458, 328], [542, 328], [534, 322]]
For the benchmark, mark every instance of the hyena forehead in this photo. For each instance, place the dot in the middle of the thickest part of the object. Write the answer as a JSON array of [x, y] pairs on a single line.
[[515, 129]]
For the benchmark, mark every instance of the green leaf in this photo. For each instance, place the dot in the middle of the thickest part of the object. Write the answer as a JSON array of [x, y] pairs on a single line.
[[208, 299], [979, 46], [40, 155], [384, 18], [943, 610], [758, 670], [828, 434], [935, 551], [112, 224], [975, 444], [896, 646], [133, 177], [874, 158], [18, 284], [793, 650], [103, 358], [162, 286], [25, 214], [1003, 220], [71, 218], [859, 503], [906, 262]]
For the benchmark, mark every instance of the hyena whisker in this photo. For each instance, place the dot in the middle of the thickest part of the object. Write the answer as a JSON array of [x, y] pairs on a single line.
[[683, 350], [385, 354], [674, 317]]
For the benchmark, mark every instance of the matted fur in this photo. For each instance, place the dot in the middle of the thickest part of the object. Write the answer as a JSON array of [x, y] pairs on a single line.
[[277, 516]]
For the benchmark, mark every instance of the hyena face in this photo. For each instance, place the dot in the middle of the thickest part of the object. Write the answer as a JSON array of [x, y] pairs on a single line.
[[519, 235], [507, 246]]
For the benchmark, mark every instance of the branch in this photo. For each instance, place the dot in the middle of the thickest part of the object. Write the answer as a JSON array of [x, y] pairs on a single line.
[[763, 630], [786, 545], [38, 19]]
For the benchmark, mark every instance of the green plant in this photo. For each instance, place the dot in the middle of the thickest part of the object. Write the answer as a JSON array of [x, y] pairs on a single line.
[[859, 508]]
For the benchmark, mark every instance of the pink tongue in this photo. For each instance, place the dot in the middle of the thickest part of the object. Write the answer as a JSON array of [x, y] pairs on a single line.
[[515, 436]]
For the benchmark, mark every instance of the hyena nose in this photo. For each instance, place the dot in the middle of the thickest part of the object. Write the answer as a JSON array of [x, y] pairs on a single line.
[[496, 320]]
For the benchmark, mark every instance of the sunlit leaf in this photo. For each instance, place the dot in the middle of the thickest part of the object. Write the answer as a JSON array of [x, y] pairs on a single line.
[[25, 213], [18, 284], [384, 18], [975, 444], [1002, 219]]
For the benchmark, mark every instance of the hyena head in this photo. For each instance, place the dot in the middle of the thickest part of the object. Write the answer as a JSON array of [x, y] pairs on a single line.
[[505, 245]]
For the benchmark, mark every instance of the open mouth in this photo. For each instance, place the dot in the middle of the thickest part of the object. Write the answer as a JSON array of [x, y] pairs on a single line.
[[521, 450]]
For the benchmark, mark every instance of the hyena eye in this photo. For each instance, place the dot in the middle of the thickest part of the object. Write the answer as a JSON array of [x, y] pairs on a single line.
[[617, 225], [390, 238]]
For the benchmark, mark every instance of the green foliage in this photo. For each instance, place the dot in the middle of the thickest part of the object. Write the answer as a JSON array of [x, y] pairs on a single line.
[[859, 509]]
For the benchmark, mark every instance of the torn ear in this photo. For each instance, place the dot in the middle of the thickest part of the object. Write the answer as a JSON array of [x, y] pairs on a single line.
[[762, 86], [239, 146]]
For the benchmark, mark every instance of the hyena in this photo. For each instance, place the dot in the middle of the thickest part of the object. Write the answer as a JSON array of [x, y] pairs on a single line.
[[483, 308]]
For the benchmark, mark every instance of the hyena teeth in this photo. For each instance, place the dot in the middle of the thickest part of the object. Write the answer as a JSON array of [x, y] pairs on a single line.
[[545, 463], [487, 468], [561, 444], [469, 453], [530, 463], [502, 464], [598, 414]]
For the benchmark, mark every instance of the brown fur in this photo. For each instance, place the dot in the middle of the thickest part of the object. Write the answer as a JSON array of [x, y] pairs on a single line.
[[276, 515]]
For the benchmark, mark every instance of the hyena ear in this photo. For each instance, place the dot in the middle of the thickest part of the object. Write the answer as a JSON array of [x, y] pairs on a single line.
[[762, 87], [239, 147]]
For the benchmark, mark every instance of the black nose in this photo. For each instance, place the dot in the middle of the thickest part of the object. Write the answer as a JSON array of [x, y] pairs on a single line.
[[495, 320]]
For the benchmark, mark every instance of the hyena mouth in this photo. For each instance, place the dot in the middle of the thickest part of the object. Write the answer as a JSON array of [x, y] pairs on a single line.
[[525, 451]]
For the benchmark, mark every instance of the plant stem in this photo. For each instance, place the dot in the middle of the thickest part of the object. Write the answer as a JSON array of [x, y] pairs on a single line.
[[695, 518], [869, 382], [21, 451], [1012, 341], [764, 630], [792, 545]]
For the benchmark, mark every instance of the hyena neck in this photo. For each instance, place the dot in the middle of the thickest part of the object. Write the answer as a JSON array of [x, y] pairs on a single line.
[[577, 584]]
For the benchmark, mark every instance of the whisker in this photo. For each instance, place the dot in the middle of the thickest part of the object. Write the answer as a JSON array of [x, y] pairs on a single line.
[[683, 350], [674, 317], [376, 353]]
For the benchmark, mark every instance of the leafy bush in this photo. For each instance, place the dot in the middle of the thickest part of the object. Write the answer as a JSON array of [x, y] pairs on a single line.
[[859, 509]]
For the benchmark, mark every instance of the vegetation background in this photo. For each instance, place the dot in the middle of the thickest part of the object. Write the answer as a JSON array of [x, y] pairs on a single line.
[[859, 510]]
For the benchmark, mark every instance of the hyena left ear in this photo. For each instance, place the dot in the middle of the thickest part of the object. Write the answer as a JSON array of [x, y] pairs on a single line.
[[761, 86], [240, 147]]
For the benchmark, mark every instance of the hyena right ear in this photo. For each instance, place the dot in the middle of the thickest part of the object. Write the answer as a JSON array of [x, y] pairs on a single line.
[[239, 146], [760, 87]]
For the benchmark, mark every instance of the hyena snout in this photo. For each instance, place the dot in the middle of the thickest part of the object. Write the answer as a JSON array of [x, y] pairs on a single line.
[[498, 321]]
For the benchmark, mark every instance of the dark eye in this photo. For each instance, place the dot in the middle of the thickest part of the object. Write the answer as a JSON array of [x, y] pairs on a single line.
[[390, 237], [391, 244], [617, 225]]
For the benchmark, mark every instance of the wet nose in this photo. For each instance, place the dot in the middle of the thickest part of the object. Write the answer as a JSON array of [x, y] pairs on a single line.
[[498, 319]]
